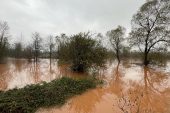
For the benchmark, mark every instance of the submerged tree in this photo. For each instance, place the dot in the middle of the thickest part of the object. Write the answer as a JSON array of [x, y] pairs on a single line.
[[37, 45], [18, 50], [150, 27], [82, 52], [28, 52], [61, 43], [4, 34], [116, 37], [50, 44]]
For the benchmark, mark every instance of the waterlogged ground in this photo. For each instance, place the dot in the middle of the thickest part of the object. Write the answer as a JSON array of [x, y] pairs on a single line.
[[128, 87]]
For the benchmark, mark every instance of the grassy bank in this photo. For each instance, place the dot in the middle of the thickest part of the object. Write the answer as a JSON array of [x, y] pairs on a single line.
[[30, 98]]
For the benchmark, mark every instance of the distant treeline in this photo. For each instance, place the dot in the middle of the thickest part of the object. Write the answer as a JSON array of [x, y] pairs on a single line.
[[150, 36]]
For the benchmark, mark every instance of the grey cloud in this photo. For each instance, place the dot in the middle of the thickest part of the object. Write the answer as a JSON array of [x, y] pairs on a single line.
[[68, 16]]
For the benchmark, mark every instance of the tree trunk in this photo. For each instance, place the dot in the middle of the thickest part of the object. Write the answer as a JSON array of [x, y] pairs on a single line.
[[118, 56], [146, 61], [50, 54]]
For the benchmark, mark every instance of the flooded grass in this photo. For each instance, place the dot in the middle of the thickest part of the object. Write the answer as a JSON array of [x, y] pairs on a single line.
[[32, 97]]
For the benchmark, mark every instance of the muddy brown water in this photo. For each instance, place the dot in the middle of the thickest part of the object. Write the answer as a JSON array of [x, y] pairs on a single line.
[[128, 87]]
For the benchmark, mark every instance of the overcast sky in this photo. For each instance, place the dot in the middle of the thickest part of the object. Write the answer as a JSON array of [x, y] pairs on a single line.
[[66, 16]]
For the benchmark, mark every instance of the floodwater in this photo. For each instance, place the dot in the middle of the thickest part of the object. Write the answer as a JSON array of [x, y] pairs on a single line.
[[128, 87]]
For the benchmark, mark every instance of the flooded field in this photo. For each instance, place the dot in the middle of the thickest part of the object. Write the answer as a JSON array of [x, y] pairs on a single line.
[[128, 87]]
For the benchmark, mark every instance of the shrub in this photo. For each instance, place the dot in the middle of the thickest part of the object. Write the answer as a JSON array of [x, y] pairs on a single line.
[[82, 52]]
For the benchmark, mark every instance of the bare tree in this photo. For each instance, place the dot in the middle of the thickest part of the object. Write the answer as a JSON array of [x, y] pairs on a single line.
[[4, 34], [61, 39], [150, 27], [116, 37], [37, 45], [50, 44]]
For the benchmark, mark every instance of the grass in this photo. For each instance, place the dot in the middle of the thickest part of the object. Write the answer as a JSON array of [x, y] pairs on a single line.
[[32, 97]]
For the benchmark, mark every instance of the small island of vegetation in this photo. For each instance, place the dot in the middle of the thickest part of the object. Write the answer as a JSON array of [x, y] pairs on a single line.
[[32, 97]]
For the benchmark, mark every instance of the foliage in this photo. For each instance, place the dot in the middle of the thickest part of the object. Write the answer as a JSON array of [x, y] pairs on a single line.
[[17, 52], [82, 52], [158, 58], [125, 52], [30, 98]]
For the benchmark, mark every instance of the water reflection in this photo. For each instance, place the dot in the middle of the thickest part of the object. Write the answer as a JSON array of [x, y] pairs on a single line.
[[145, 96], [147, 93], [128, 88], [19, 73]]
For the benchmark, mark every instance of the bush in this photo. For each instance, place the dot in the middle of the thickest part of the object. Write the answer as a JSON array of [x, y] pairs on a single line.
[[30, 98], [82, 52]]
